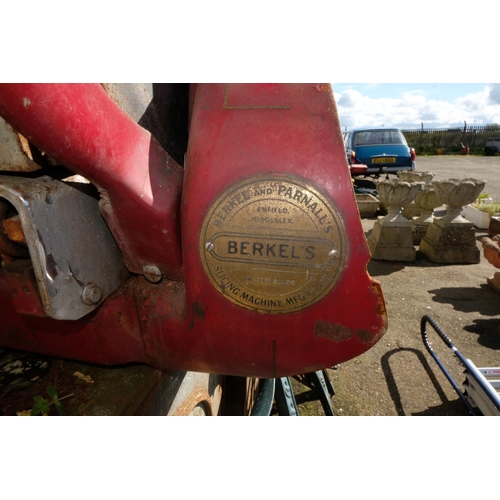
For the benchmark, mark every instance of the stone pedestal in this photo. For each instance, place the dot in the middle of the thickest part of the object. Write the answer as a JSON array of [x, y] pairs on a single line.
[[391, 237], [450, 243], [418, 232], [452, 239], [392, 242]]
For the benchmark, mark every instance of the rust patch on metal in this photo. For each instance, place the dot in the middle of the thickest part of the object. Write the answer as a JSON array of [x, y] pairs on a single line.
[[7, 246], [198, 310], [198, 313], [14, 229], [192, 401], [381, 308], [366, 337], [323, 88], [127, 323], [332, 331]]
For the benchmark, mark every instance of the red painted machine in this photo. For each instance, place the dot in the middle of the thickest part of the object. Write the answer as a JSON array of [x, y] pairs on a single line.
[[210, 228]]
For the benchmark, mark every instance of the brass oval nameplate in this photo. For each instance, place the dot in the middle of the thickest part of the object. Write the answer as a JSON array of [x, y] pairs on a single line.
[[273, 244]]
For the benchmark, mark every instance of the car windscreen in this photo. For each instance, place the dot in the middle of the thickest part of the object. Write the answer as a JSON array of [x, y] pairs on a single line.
[[372, 137]]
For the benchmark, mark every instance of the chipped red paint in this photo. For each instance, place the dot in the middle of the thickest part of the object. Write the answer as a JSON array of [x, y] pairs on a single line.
[[236, 131], [332, 331]]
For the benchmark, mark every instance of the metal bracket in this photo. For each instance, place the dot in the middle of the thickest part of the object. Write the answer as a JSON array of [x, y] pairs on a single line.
[[76, 261], [322, 383], [285, 400]]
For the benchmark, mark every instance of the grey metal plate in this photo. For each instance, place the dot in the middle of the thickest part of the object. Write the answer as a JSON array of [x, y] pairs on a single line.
[[69, 243]]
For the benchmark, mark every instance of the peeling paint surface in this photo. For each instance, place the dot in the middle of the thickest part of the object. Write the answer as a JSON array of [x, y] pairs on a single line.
[[366, 337], [332, 331]]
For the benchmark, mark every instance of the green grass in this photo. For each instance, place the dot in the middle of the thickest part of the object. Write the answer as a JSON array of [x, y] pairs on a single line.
[[491, 209]]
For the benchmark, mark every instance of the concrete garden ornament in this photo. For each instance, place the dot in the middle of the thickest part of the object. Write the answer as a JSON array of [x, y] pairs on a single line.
[[415, 176], [413, 209], [395, 194], [427, 200], [455, 194], [451, 238], [391, 238]]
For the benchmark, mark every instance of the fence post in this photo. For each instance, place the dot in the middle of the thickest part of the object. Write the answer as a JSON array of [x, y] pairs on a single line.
[[464, 140]]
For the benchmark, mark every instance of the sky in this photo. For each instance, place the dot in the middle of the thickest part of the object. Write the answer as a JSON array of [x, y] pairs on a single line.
[[408, 105]]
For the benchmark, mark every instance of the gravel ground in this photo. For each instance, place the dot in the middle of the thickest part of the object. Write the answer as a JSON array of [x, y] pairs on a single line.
[[398, 376]]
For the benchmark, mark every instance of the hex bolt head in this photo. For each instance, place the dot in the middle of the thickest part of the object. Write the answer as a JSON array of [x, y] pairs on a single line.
[[152, 273], [91, 294]]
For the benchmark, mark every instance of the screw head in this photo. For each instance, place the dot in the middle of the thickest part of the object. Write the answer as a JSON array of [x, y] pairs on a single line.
[[152, 273], [91, 294]]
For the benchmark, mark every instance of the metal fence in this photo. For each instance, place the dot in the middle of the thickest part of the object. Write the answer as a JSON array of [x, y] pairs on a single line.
[[450, 140]]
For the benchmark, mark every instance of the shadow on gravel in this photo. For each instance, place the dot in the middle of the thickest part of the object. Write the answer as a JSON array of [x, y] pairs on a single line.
[[480, 299], [386, 267], [383, 268], [447, 407], [488, 331], [481, 235], [450, 408]]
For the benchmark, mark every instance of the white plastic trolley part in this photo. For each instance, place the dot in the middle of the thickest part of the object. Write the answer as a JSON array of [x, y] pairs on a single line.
[[481, 386]]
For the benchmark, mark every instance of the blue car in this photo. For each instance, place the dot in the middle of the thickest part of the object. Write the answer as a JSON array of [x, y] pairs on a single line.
[[382, 150]]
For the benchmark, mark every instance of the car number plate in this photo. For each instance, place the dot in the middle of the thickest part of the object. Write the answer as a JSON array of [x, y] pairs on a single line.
[[387, 159]]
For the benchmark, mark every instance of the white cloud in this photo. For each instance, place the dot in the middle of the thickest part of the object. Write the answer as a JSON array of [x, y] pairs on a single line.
[[494, 93], [412, 109]]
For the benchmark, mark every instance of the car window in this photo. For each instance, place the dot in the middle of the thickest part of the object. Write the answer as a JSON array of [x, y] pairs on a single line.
[[372, 137], [360, 138]]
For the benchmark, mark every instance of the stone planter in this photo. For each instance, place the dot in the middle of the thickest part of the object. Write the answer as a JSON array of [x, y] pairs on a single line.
[[367, 204], [413, 209], [451, 239], [414, 176], [455, 194], [427, 200], [395, 194], [391, 237]]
